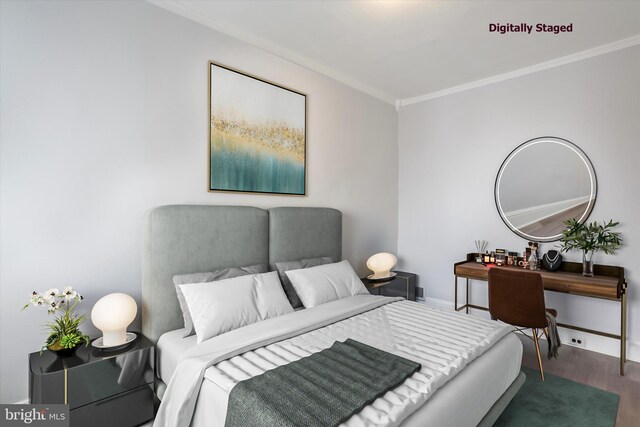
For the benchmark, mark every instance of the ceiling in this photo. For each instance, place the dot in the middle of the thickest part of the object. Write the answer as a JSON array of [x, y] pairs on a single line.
[[401, 50]]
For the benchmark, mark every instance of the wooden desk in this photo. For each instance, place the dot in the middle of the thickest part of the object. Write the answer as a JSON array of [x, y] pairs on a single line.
[[608, 283]]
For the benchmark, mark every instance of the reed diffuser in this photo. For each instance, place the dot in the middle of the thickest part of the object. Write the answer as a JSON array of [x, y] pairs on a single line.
[[481, 247]]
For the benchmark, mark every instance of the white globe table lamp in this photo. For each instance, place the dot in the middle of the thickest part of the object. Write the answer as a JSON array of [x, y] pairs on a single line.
[[381, 265], [112, 314]]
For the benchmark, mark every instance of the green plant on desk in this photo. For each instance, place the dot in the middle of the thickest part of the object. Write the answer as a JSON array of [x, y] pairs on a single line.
[[590, 238]]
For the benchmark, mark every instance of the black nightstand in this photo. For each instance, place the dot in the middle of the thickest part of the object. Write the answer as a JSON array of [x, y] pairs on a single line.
[[403, 285], [101, 388]]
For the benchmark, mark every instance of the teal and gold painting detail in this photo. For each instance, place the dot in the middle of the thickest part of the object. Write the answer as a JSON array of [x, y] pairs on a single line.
[[257, 135]]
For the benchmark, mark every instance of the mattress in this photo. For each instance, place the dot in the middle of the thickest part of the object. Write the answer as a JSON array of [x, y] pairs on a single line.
[[462, 402], [466, 399], [404, 328], [169, 349]]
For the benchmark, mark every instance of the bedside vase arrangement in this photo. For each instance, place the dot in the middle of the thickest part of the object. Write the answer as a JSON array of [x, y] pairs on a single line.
[[590, 238], [65, 335]]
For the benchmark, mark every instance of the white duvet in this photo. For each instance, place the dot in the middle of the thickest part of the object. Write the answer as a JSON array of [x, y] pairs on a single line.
[[443, 342]]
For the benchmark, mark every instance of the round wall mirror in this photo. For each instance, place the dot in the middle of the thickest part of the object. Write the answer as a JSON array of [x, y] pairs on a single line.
[[543, 183]]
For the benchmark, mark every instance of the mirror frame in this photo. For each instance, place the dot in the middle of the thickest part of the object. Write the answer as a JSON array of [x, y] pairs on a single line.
[[557, 140]]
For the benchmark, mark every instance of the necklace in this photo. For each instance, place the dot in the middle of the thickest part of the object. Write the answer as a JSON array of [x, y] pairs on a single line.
[[552, 261]]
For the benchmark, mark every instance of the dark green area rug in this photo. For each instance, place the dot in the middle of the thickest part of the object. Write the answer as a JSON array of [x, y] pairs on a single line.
[[558, 402]]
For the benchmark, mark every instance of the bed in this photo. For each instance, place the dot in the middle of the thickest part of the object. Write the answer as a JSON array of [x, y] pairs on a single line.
[[480, 379]]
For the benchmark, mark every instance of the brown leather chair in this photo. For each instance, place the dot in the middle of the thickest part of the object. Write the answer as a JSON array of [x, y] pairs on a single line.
[[517, 298]]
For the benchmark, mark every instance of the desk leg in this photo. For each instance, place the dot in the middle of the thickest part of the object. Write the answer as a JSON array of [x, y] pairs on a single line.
[[455, 295], [623, 333], [467, 307]]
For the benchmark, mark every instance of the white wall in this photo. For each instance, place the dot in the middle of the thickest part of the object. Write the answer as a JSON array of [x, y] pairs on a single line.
[[451, 149], [104, 116]]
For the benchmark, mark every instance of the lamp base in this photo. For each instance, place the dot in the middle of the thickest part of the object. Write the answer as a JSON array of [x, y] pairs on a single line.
[[373, 278], [129, 338]]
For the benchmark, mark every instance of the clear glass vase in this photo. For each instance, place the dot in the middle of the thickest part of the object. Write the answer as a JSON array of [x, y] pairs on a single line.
[[587, 264]]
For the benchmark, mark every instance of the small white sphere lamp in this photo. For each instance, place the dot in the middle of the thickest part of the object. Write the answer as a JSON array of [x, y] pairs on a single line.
[[112, 314], [381, 265]]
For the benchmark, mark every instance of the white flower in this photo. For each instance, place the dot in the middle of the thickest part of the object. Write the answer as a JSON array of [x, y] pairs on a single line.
[[36, 299], [51, 294], [69, 293], [53, 307]]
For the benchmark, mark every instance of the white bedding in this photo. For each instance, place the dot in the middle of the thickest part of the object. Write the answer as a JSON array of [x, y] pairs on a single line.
[[443, 342], [170, 348], [462, 402]]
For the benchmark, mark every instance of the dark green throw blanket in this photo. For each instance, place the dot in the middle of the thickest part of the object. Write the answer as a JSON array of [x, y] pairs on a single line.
[[324, 389]]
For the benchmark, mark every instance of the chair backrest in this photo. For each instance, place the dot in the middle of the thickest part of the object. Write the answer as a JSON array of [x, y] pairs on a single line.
[[517, 297]]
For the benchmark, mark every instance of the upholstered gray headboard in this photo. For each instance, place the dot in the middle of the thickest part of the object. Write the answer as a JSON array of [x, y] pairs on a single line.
[[299, 233], [190, 239]]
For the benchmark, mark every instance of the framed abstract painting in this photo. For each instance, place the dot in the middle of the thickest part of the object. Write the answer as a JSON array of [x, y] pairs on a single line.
[[257, 134]]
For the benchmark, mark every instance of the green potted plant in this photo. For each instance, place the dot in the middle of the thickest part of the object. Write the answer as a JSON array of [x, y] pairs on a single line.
[[65, 335], [590, 238]]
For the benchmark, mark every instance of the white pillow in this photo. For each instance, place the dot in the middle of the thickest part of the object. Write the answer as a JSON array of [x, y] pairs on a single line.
[[221, 306], [325, 283]]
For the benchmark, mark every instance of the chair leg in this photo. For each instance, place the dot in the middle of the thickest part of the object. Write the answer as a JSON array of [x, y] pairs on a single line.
[[535, 341], [546, 333]]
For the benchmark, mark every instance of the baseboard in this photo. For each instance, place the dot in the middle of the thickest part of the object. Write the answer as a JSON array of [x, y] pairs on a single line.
[[597, 343], [22, 402], [601, 344], [438, 303]]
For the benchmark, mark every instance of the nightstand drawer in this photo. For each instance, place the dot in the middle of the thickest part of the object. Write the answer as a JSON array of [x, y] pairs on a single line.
[[131, 408], [109, 377]]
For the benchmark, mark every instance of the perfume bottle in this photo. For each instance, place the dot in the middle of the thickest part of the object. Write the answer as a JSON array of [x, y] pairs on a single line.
[[533, 260]]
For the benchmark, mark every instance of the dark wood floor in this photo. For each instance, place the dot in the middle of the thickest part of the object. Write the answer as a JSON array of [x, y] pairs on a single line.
[[597, 370]]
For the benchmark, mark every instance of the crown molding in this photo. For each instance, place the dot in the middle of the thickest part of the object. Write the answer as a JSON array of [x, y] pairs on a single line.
[[194, 15], [188, 12], [579, 56]]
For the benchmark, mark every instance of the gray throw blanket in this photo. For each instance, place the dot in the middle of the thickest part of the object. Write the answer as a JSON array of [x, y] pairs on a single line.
[[324, 389], [553, 339]]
